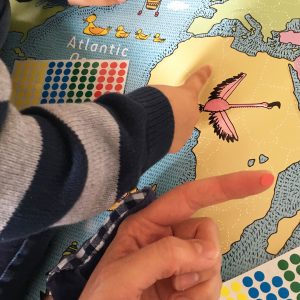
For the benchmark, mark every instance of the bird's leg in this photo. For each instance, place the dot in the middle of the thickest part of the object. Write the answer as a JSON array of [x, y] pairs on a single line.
[[257, 105]]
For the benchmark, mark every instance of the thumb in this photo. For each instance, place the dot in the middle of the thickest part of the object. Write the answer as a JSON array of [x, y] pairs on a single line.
[[197, 80], [140, 270]]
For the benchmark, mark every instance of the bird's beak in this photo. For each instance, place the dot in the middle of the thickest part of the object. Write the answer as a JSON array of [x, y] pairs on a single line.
[[272, 104]]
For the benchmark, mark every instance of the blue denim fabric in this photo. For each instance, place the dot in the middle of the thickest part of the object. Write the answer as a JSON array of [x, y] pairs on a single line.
[[4, 20]]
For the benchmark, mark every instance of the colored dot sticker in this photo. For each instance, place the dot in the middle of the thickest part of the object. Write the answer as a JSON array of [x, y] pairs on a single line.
[[69, 64], [65, 78], [283, 265], [70, 94], [283, 293], [95, 65], [55, 86], [97, 94], [83, 79], [120, 79], [121, 73], [110, 79], [247, 281], [52, 64], [118, 87], [78, 101], [62, 94], [84, 71], [99, 86], [86, 64], [101, 79], [289, 275], [298, 270], [60, 64], [81, 86], [47, 86], [48, 78], [56, 79], [79, 94], [74, 78], [104, 65], [271, 296], [58, 71], [67, 71], [45, 94], [93, 72], [50, 72], [90, 86], [253, 293], [113, 65], [112, 72], [295, 259], [225, 291], [43, 101], [88, 94], [63, 86], [75, 72], [77, 64], [259, 276], [295, 287], [108, 87], [92, 79], [277, 281], [265, 287], [72, 86], [102, 72], [123, 65], [236, 286]]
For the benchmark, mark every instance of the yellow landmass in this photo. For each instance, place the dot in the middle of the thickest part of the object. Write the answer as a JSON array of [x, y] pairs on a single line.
[[26, 15], [285, 229], [272, 15], [274, 133]]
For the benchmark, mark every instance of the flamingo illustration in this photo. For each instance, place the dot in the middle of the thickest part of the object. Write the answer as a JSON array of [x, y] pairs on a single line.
[[217, 106]]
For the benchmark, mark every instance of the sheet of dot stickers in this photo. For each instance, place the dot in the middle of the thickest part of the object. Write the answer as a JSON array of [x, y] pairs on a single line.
[[277, 279], [64, 81]]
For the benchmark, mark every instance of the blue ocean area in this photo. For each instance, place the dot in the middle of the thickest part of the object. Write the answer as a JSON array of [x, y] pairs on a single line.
[[60, 37]]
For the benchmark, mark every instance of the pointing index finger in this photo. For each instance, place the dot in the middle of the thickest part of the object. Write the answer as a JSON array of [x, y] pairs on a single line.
[[183, 201]]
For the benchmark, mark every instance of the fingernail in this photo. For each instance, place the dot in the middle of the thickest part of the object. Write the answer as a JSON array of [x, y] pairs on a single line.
[[267, 180], [186, 281]]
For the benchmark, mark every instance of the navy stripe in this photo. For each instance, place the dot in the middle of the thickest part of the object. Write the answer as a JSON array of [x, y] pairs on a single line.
[[3, 113], [58, 182], [131, 119]]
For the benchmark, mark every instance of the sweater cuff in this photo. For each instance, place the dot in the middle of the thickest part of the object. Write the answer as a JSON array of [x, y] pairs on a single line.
[[159, 124]]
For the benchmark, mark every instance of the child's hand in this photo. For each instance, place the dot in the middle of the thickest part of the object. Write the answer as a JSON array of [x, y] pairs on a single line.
[[95, 2], [184, 102], [160, 254]]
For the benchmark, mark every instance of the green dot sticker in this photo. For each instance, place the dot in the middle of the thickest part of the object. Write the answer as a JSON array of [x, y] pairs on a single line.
[[79, 94], [295, 259], [95, 65], [81, 86], [70, 94], [93, 72], [78, 101], [84, 71], [83, 79], [69, 101], [298, 270], [90, 86], [289, 275], [298, 297], [77, 64], [295, 287], [283, 265], [88, 94], [75, 72], [92, 79], [86, 64], [87, 100], [72, 86], [74, 78]]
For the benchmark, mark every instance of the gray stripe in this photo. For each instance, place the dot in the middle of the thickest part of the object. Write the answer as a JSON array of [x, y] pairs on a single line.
[[99, 134], [5, 83], [20, 148]]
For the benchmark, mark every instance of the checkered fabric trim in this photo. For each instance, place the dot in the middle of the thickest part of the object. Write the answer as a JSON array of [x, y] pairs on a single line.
[[93, 245]]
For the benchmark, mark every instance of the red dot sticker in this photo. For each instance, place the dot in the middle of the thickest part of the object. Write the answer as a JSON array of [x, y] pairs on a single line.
[[110, 79], [108, 87], [120, 79], [113, 65], [101, 79], [97, 94], [118, 87], [112, 72], [121, 73], [102, 72], [123, 65], [104, 65], [99, 86]]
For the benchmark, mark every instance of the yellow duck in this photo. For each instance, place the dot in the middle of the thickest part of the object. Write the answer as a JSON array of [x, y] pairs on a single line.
[[158, 39], [92, 29], [140, 35], [121, 33]]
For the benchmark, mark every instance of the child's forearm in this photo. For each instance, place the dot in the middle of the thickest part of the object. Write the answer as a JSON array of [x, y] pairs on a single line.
[[60, 164]]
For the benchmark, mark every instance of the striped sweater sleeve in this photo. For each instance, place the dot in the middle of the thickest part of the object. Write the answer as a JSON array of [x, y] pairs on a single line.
[[60, 164]]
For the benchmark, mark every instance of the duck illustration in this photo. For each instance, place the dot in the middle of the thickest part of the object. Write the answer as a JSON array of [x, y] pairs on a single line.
[[92, 29], [158, 39], [140, 35], [121, 33]]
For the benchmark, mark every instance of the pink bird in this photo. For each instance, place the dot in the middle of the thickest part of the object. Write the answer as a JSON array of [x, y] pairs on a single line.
[[217, 106]]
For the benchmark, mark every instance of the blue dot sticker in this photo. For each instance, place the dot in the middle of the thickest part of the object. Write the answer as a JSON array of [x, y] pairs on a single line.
[[265, 287], [63, 86], [44, 101], [45, 94], [53, 94], [65, 78], [47, 86], [52, 101], [60, 64], [62, 94], [253, 293], [50, 72], [52, 64], [48, 78], [60, 100], [67, 71], [271, 296], [247, 281], [69, 64], [283, 293], [58, 71], [277, 281], [55, 86], [56, 79], [259, 276]]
